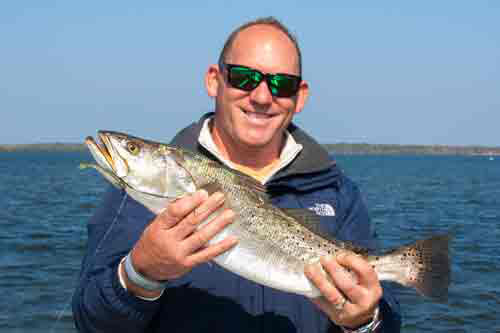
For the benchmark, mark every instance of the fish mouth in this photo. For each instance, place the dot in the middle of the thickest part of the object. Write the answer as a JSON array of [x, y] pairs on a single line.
[[107, 151], [103, 152]]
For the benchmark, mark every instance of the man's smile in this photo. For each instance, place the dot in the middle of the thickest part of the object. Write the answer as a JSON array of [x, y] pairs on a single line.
[[258, 117]]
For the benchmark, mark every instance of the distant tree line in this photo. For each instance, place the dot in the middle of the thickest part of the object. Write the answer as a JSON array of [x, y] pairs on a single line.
[[48, 147], [365, 148], [337, 148]]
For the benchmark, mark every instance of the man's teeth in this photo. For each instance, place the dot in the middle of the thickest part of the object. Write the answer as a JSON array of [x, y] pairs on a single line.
[[257, 115]]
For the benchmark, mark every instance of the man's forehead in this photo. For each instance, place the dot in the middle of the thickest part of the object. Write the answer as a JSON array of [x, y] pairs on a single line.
[[265, 45]]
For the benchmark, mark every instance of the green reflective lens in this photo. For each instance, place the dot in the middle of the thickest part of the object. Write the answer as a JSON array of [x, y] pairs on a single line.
[[283, 83], [245, 78]]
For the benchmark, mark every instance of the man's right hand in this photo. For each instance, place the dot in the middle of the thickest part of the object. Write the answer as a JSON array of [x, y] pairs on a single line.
[[172, 245]]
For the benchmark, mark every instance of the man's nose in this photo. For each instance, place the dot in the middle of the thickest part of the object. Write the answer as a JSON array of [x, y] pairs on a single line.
[[261, 94]]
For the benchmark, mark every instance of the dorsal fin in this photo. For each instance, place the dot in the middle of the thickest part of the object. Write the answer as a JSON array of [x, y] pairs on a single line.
[[211, 188], [250, 182], [241, 178], [304, 216], [311, 221]]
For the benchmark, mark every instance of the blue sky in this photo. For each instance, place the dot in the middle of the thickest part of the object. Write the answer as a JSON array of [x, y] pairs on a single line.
[[420, 72]]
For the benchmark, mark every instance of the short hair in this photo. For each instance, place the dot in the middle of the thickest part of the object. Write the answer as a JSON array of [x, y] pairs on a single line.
[[271, 21]]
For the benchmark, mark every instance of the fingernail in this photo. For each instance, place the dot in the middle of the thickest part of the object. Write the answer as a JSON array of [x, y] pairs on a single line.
[[203, 194], [341, 256], [330, 257], [232, 239], [218, 196], [229, 214], [314, 267], [327, 259]]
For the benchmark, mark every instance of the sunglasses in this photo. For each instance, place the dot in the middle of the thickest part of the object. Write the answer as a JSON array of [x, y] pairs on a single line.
[[247, 79]]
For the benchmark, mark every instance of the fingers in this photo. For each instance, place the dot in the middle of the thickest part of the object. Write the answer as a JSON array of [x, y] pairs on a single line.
[[180, 208], [367, 290], [321, 303], [338, 282], [198, 215], [194, 237], [212, 251], [203, 235], [365, 273], [327, 287], [343, 280], [175, 242]]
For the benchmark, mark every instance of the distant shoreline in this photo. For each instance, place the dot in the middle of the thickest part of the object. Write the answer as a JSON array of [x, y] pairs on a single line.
[[365, 148], [42, 147], [337, 148]]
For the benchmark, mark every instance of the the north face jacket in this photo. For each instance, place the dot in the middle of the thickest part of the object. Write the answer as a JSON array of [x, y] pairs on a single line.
[[209, 298]]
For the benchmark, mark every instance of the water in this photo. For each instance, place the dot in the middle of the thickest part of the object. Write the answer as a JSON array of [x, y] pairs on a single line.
[[46, 201]]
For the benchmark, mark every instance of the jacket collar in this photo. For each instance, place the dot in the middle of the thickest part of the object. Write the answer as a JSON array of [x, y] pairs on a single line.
[[312, 164]]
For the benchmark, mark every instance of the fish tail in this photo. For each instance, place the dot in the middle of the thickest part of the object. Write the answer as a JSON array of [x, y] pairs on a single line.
[[423, 265]]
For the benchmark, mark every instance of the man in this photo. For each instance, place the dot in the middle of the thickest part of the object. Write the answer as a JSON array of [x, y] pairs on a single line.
[[145, 273]]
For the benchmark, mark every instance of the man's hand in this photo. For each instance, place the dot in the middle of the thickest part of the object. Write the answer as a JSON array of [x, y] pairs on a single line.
[[362, 296], [171, 245]]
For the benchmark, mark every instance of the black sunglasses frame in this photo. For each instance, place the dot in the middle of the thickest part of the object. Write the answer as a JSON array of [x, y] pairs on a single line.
[[268, 77]]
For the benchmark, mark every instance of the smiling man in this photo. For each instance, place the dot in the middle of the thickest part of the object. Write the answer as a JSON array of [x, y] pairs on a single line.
[[149, 273], [250, 123]]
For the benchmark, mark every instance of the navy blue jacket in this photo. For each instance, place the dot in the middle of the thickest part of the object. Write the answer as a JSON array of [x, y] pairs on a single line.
[[209, 298]]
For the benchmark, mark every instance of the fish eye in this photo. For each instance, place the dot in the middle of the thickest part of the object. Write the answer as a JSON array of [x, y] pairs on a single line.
[[133, 148]]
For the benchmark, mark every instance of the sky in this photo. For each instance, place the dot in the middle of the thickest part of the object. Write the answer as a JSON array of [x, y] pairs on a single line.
[[386, 72]]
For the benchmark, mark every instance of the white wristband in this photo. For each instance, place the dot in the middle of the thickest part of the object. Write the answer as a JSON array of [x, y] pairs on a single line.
[[122, 283], [140, 280]]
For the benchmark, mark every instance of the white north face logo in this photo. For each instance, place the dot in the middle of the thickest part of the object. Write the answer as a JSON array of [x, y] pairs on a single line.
[[323, 209]]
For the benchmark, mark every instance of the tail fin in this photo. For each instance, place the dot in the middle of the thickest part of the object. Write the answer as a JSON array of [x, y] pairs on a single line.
[[424, 265]]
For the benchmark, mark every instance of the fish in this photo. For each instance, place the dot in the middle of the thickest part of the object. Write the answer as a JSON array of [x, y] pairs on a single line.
[[274, 244]]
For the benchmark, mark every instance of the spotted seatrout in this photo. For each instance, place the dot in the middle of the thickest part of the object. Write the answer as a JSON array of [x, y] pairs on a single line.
[[274, 243]]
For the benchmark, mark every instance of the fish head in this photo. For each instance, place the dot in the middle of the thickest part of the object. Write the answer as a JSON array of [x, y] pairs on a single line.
[[143, 166]]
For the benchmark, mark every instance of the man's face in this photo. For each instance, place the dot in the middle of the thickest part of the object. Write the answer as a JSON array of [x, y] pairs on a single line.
[[256, 119]]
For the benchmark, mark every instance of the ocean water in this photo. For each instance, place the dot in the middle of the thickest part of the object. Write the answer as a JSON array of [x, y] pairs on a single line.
[[46, 201]]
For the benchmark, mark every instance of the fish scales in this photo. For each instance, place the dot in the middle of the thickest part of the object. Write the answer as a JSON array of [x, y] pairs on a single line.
[[279, 235], [263, 230]]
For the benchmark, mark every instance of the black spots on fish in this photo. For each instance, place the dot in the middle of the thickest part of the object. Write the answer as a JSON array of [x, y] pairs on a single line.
[[414, 255], [375, 260], [427, 263]]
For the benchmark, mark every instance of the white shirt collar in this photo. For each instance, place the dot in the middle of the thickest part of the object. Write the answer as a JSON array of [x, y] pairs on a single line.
[[287, 155]]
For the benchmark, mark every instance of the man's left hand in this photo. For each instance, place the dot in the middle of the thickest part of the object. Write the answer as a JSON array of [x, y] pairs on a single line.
[[347, 301]]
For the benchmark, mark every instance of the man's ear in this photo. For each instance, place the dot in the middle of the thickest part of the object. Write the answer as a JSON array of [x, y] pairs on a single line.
[[302, 95], [212, 80]]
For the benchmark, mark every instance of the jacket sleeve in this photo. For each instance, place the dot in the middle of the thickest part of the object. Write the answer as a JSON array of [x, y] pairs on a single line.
[[356, 227], [100, 303]]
